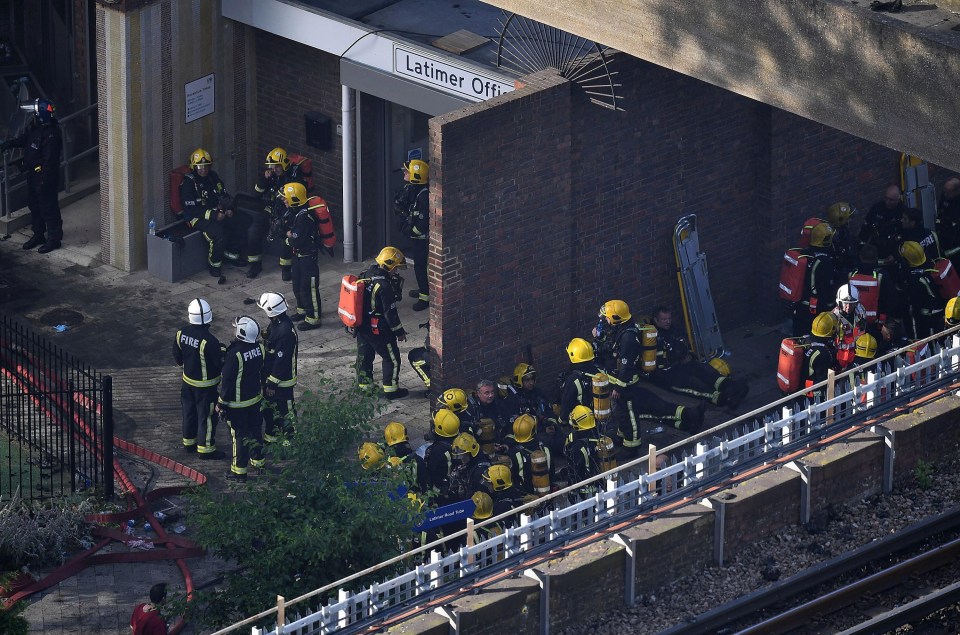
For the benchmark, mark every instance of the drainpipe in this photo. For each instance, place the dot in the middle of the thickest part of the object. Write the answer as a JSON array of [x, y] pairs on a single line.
[[349, 186]]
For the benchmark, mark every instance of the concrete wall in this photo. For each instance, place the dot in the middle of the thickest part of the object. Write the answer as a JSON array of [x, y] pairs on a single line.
[[889, 79], [545, 206], [146, 56]]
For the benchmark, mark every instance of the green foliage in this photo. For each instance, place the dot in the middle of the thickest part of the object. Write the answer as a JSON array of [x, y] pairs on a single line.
[[35, 533], [12, 621], [922, 473], [317, 520]]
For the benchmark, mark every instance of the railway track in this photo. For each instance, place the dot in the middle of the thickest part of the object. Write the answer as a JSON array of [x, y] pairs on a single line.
[[898, 580]]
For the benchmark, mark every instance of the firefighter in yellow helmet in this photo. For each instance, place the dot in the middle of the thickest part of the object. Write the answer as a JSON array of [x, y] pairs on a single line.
[[412, 207], [533, 465], [454, 399], [819, 354], [303, 240], [208, 208], [274, 222], [924, 306], [821, 280], [581, 446], [951, 315], [402, 457], [523, 397], [844, 244], [468, 466], [577, 385], [439, 454], [617, 337], [381, 328], [679, 371], [498, 481], [482, 510]]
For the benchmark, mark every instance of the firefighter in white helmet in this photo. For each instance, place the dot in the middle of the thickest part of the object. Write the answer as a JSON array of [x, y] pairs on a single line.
[[240, 397], [280, 367], [851, 323], [200, 354]]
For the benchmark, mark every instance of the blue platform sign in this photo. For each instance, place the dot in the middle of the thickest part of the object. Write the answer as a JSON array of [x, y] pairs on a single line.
[[416, 153], [447, 514]]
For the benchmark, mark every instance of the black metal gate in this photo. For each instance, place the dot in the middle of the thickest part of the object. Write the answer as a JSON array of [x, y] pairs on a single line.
[[56, 419]]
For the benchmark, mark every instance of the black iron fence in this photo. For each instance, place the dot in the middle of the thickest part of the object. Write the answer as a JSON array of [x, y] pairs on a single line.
[[56, 419]]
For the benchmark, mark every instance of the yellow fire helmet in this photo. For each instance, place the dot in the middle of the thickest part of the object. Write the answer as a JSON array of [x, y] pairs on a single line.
[[866, 346], [295, 194], [839, 214], [615, 311], [200, 157], [952, 313], [579, 350], [913, 253], [824, 325], [371, 455], [499, 477], [395, 433], [277, 156], [524, 428], [720, 366], [453, 399], [446, 424], [464, 444], [523, 371], [483, 505], [390, 258], [419, 171], [822, 235], [581, 418]]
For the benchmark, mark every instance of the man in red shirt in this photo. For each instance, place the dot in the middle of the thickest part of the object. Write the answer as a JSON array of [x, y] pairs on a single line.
[[146, 618]]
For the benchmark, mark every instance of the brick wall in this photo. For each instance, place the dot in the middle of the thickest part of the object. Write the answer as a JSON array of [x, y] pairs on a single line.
[[545, 206], [293, 79]]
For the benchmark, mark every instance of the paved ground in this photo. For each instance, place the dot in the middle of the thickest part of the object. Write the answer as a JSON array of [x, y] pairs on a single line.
[[123, 325]]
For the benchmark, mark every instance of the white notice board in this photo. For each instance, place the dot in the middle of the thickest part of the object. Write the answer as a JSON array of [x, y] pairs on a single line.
[[199, 98]]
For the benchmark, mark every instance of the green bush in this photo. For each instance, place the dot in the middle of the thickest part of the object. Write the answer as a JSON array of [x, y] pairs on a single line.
[[316, 520], [12, 621]]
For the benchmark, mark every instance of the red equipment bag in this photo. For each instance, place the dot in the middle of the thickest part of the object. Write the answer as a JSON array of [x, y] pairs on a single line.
[[945, 278], [869, 289], [304, 169], [328, 235], [350, 308], [176, 179], [793, 275], [808, 226], [790, 365]]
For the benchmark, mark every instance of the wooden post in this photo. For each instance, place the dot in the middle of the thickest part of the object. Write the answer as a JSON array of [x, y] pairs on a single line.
[[651, 465], [281, 613], [831, 392]]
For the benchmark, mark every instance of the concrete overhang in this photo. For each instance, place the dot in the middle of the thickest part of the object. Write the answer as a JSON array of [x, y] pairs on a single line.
[[889, 78], [379, 51]]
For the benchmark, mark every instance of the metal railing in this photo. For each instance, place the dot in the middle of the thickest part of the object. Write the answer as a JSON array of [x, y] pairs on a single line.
[[749, 440], [56, 420], [75, 127]]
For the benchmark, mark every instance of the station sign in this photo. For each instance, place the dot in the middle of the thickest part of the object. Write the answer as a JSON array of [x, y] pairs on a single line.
[[442, 75]]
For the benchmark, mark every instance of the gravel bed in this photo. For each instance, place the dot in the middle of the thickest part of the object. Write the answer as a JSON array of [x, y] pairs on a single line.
[[843, 528]]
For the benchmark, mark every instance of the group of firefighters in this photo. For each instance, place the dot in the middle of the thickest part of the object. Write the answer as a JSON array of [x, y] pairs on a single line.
[[856, 297], [248, 384], [299, 222], [507, 443]]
